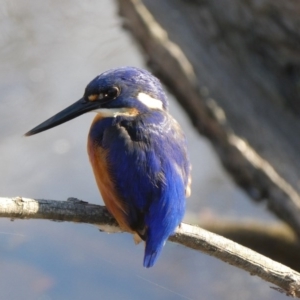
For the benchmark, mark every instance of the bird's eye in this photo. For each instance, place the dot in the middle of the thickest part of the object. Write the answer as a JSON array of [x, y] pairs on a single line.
[[113, 92], [109, 94]]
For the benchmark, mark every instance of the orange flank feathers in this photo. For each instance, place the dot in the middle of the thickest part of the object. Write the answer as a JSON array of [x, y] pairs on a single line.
[[114, 204]]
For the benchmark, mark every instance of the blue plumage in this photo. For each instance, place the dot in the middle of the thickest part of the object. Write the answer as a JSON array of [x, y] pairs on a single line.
[[138, 153], [150, 173]]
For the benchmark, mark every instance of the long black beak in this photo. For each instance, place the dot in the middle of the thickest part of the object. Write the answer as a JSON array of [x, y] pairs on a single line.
[[76, 109]]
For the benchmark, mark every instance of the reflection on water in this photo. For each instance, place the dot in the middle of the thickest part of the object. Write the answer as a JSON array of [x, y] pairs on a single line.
[[49, 51]]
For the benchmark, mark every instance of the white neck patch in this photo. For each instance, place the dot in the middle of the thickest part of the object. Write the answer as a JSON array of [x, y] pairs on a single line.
[[114, 112], [149, 101]]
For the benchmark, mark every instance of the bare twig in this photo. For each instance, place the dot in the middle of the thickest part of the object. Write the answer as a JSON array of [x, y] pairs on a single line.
[[275, 240], [193, 237], [72, 210], [239, 256]]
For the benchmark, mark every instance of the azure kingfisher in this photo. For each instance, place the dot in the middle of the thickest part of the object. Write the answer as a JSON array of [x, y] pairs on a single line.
[[138, 154]]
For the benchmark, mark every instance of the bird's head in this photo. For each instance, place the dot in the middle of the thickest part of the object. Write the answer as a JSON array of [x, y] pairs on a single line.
[[126, 90]]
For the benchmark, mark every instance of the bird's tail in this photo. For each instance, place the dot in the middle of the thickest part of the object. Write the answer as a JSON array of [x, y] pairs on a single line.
[[153, 249]]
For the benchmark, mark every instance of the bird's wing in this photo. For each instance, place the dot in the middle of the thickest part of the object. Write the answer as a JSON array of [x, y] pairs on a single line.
[[147, 162], [145, 157]]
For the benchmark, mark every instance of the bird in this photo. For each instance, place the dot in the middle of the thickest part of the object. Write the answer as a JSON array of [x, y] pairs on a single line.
[[138, 153]]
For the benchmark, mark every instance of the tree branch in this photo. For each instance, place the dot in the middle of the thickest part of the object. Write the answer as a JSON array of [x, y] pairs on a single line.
[[275, 240], [74, 210]]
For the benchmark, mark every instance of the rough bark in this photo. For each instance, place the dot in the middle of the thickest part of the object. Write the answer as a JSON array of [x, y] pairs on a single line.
[[193, 237], [276, 240], [234, 67]]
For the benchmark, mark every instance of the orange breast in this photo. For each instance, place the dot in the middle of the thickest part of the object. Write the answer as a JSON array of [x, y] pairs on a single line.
[[112, 200]]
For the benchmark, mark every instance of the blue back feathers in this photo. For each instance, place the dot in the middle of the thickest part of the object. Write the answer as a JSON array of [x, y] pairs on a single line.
[[146, 154]]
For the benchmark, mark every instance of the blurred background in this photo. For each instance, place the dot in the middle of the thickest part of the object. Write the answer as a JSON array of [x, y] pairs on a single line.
[[49, 51]]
